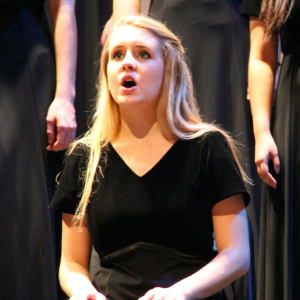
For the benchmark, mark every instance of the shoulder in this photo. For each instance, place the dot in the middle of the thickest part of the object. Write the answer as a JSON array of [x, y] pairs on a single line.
[[219, 171], [77, 155], [251, 8], [209, 149], [213, 140], [74, 162]]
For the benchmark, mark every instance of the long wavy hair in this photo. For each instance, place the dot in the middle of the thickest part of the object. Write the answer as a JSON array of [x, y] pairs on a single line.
[[274, 13], [177, 111]]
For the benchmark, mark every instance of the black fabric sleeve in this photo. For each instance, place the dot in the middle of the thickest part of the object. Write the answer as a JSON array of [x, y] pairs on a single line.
[[251, 8], [222, 176], [66, 197]]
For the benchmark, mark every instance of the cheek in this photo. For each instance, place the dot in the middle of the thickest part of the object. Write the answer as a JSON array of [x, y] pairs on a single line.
[[156, 79], [112, 82]]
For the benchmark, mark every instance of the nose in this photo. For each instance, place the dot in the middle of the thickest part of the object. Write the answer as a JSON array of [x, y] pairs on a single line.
[[128, 63]]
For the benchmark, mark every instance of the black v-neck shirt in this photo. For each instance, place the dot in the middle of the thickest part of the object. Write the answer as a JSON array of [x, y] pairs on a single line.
[[169, 206]]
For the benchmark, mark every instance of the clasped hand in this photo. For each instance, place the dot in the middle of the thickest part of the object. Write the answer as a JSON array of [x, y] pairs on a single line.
[[171, 293], [88, 296]]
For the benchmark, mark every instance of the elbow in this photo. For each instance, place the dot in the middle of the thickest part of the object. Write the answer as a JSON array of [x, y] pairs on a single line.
[[61, 274], [245, 267], [238, 261], [243, 264]]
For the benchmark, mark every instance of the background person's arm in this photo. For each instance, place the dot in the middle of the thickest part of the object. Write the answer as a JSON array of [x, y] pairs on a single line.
[[61, 113], [74, 267], [262, 68], [121, 8], [231, 235], [124, 8]]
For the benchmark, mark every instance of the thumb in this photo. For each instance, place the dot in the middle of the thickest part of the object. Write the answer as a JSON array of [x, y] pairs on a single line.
[[276, 162]]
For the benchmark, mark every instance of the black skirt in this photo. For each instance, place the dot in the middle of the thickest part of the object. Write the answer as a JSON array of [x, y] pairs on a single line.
[[129, 273], [280, 226], [27, 86]]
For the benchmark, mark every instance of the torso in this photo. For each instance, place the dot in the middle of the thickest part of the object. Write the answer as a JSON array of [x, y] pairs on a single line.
[[170, 205]]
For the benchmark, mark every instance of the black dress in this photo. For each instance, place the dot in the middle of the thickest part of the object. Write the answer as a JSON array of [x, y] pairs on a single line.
[[27, 86], [279, 258], [141, 225]]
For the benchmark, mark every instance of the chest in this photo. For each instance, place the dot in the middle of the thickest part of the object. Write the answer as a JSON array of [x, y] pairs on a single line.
[[125, 197], [141, 158], [162, 207]]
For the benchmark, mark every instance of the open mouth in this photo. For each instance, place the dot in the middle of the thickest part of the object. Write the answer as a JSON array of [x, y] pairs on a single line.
[[129, 83]]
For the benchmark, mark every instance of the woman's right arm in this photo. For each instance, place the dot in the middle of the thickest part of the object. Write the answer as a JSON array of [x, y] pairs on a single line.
[[74, 267], [262, 68]]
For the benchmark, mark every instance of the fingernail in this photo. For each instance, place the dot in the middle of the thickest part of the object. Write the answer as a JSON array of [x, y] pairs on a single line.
[[278, 170]]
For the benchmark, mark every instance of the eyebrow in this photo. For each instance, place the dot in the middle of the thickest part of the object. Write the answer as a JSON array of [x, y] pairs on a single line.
[[136, 44]]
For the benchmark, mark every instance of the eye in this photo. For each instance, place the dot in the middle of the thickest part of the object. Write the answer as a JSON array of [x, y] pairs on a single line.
[[144, 54], [118, 55]]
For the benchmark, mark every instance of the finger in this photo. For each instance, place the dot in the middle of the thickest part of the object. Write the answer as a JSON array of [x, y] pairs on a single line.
[[61, 135], [69, 139], [150, 294], [270, 180], [172, 297], [75, 297], [59, 143], [159, 296], [263, 171], [276, 163], [51, 131], [70, 136]]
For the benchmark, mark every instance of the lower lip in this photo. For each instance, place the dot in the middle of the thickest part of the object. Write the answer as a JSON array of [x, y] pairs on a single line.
[[128, 90]]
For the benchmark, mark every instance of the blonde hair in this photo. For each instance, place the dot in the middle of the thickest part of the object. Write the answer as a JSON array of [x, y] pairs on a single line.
[[177, 111]]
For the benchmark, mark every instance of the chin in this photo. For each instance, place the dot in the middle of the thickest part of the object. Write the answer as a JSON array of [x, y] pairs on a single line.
[[132, 101]]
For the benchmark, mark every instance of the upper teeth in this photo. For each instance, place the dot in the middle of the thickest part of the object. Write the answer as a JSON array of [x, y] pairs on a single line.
[[128, 79]]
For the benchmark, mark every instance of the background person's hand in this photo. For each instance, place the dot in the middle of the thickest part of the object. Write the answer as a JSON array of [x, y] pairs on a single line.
[[88, 296], [265, 150], [61, 124], [107, 29]]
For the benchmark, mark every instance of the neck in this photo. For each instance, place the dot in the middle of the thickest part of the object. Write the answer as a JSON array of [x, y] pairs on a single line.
[[138, 124]]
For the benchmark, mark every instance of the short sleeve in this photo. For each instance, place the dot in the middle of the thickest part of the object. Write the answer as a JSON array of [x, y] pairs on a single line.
[[66, 197], [251, 8], [222, 176]]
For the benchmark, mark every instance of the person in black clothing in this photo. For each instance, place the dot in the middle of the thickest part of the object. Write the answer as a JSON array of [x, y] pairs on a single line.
[[37, 119], [277, 142], [150, 182]]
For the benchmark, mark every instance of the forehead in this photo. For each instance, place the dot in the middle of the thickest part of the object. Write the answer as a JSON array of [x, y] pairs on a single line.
[[129, 35]]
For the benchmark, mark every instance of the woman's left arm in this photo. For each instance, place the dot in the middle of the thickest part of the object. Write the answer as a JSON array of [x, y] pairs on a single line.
[[231, 235]]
